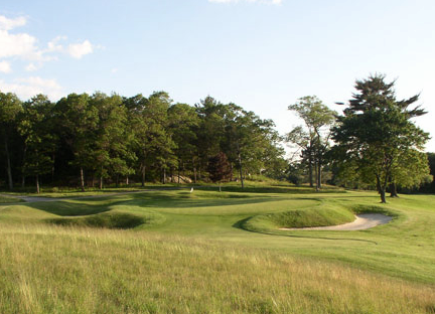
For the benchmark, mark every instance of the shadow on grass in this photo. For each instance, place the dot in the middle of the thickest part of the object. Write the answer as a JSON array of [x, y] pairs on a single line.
[[67, 208], [274, 189], [104, 220], [242, 225], [187, 199]]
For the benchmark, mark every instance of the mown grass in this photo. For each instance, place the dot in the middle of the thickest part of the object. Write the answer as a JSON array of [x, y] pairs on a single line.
[[8, 199], [187, 252]]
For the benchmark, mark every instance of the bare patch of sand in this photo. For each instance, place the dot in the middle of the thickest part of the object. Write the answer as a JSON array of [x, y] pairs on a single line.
[[362, 222]]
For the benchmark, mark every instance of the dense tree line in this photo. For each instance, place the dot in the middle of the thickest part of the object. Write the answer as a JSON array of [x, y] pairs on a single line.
[[375, 142], [90, 140]]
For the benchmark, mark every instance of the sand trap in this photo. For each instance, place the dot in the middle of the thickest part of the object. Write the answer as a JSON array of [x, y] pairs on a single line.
[[362, 222]]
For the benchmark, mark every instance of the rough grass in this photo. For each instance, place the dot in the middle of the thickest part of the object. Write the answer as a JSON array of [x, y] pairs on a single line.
[[325, 214], [74, 270], [8, 199], [190, 254], [112, 220], [318, 216]]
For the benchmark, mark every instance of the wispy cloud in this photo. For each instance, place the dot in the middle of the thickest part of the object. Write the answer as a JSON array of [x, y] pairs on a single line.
[[25, 46], [77, 51], [276, 2], [8, 24], [5, 67], [26, 88]]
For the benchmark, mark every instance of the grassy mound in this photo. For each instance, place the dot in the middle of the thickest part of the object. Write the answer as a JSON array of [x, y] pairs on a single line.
[[319, 216], [8, 199], [110, 220]]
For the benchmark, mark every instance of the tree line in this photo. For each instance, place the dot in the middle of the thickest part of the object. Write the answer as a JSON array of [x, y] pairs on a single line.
[[375, 141], [88, 140]]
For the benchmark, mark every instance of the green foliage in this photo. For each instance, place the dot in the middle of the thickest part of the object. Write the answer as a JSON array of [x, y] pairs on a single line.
[[40, 140], [112, 137], [10, 107], [313, 139], [79, 121], [125, 140], [219, 168], [376, 139]]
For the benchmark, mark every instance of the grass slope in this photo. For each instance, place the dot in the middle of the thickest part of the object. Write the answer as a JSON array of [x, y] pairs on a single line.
[[189, 253]]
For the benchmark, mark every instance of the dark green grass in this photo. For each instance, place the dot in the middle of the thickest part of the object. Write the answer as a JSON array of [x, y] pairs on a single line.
[[111, 220]]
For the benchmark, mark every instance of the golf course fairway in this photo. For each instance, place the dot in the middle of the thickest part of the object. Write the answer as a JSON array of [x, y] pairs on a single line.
[[217, 252]]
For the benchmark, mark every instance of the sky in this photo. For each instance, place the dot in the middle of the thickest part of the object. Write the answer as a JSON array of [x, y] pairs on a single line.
[[260, 54]]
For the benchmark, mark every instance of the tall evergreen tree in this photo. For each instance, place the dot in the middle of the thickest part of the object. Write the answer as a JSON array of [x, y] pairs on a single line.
[[112, 138], [10, 106], [39, 140], [80, 122], [377, 139]]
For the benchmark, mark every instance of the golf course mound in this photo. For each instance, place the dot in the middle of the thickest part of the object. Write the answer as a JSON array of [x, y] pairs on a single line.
[[111, 220], [320, 218]]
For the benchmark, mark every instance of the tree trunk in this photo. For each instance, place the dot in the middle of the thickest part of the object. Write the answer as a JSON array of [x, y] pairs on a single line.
[[143, 175], [164, 176], [101, 182], [381, 189], [9, 170], [52, 168], [82, 179], [316, 177], [383, 199], [319, 174], [23, 174], [126, 181], [393, 190], [241, 171], [37, 184], [178, 175], [117, 180], [310, 172], [194, 170]]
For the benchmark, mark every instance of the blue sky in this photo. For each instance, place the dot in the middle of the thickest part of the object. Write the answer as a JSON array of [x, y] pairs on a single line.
[[262, 55]]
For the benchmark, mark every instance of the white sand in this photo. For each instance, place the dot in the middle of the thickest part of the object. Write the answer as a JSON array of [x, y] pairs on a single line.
[[362, 222]]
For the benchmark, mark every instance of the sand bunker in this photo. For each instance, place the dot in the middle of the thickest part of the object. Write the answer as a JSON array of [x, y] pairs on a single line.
[[362, 222]]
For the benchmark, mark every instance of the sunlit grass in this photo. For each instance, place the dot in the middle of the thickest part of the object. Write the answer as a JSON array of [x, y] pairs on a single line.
[[52, 269], [188, 253]]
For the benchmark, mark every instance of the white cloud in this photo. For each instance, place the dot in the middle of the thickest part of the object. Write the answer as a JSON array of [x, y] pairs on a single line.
[[31, 67], [25, 88], [19, 45], [5, 67], [8, 24], [25, 46], [77, 51], [277, 2], [54, 44]]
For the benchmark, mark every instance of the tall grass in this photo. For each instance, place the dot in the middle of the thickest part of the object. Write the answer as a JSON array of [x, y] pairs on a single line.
[[49, 269], [187, 253]]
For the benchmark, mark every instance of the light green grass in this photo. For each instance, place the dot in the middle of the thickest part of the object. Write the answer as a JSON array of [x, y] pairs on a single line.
[[189, 253], [8, 199]]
